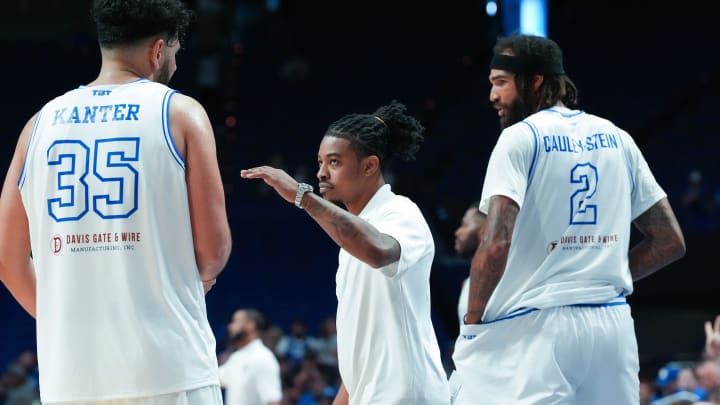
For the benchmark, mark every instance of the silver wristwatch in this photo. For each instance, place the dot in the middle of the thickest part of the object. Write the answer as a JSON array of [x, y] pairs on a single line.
[[301, 190]]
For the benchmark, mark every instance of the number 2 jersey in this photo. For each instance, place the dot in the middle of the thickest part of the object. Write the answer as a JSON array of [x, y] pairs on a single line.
[[579, 182], [120, 305]]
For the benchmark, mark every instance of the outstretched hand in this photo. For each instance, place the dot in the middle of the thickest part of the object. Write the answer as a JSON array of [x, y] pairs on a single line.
[[712, 338], [285, 185]]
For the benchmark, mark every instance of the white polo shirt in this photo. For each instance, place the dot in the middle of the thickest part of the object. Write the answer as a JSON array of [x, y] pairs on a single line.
[[387, 348], [251, 376]]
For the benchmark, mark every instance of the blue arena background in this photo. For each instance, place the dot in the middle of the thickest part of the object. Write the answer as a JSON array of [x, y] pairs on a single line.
[[273, 80]]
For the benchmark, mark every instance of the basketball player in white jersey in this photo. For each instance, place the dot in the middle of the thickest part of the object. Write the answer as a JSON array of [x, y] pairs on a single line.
[[547, 321], [113, 224], [387, 349]]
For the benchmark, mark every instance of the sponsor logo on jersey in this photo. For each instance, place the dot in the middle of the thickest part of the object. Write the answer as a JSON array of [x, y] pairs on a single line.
[[96, 242]]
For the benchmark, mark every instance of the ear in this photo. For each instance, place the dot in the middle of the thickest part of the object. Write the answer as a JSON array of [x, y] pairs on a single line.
[[537, 82], [370, 165], [155, 53]]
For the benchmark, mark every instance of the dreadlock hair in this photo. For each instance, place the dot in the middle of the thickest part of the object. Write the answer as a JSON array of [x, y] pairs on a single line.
[[387, 133], [126, 22], [555, 87]]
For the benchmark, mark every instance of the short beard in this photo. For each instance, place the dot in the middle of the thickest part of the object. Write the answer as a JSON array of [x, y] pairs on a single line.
[[163, 75], [240, 337]]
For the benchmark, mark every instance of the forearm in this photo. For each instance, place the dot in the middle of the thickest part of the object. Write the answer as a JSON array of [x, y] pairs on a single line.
[[20, 281], [488, 264], [211, 258], [359, 238], [486, 271], [663, 241], [649, 256]]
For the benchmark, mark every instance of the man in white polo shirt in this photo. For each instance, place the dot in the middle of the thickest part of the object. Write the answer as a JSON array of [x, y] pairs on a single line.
[[251, 375], [387, 350]]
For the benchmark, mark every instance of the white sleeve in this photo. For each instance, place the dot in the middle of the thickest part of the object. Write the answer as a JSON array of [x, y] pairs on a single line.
[[405, 223], [509, 165]]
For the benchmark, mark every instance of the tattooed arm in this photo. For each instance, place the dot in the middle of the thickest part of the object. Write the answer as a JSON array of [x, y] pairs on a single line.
[[488, 264], [352, 233], [663, 241]]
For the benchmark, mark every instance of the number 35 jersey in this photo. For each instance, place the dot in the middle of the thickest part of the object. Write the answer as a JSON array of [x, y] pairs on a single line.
[[579, 182], [120, 305]]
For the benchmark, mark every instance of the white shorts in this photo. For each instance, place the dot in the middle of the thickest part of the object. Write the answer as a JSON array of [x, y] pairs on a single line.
[[210, 395], [566, 355]]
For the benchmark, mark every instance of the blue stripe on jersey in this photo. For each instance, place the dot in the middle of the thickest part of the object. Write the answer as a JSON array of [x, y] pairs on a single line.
[[21, 178], [166, 129], [627, 161], [514, 314], [619, 300], [536, 136]]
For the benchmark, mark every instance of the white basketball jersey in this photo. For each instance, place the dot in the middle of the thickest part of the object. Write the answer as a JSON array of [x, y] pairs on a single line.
[[120, 304], [579, 181]]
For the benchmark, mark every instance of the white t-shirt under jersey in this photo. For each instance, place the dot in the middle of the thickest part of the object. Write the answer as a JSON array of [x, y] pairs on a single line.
[[387, 350], [251, 376], [579, 182], [120, 304]]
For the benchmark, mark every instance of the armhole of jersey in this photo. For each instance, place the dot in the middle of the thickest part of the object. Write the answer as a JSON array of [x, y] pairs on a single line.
[[166, 129], [627, 161], [535, 152], [21, 178]]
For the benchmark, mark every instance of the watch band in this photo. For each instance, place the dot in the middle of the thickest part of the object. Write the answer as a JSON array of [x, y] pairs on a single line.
[[301, 190]]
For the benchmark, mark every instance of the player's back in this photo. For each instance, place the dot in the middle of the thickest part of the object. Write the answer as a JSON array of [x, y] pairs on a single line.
[[120, 305], [571, 236]]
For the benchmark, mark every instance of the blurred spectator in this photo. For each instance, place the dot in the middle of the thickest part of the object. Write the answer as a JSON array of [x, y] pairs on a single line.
[[271, 337], [325, 345], [708, 375], [17, 387], [467, 238], [647, 391], [296, 343], [696, 206], [675, 382], [309, 380], [251, 375]]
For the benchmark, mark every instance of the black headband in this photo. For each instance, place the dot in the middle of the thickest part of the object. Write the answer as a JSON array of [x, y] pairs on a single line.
[[519, 64]]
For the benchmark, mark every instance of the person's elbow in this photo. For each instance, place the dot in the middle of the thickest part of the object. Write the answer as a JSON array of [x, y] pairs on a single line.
[[677, 246], [213, 257], [381, 256]]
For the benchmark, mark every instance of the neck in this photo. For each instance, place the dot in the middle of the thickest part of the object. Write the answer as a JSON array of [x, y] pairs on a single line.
[[119, 67], [358, 204], [240, 344]]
